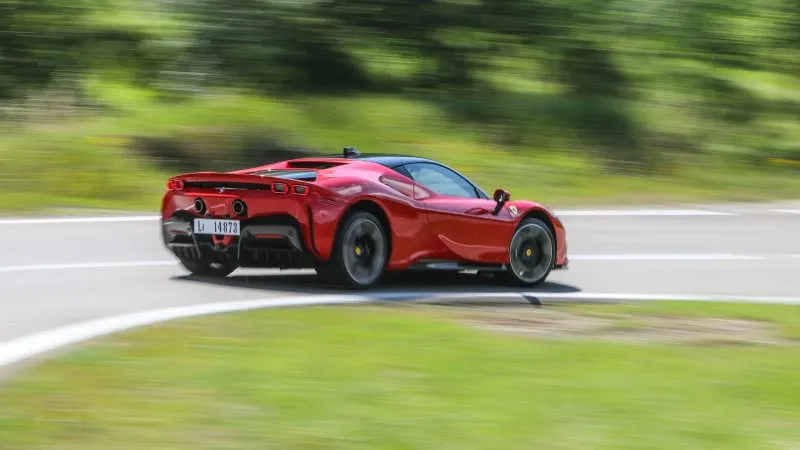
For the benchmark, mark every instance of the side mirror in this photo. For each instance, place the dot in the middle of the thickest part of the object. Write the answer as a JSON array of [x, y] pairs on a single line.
[[501, 196]]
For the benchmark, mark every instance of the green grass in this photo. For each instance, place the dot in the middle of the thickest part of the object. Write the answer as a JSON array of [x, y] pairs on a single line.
[[391, 378], [89, 162]]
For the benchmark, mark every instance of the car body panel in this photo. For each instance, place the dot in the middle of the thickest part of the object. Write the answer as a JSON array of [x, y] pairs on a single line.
[[466, 229]]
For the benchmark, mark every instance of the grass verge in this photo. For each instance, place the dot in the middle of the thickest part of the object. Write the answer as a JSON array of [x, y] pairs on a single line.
[[407, 377], [94, 161]]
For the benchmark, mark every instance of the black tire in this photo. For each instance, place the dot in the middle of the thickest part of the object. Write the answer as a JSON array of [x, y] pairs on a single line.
[[532, 252], [360, 252], [208, 268]]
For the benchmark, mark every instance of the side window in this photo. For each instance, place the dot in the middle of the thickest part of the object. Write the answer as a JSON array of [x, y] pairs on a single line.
[[402, 171], [440, 180]]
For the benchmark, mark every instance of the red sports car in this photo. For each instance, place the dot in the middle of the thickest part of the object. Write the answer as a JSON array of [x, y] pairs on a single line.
[[353, 217]]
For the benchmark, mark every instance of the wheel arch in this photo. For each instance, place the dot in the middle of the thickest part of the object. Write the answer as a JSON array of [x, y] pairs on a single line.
[[373, 207], [538, 213], [333, 268]]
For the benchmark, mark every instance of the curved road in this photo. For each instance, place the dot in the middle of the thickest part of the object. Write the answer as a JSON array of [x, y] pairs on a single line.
[[59, 271]]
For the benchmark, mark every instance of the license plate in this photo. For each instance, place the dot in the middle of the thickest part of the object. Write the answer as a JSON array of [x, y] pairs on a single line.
[[216, 226]]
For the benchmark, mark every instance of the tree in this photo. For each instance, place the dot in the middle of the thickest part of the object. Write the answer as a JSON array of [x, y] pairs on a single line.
[[40, 40]]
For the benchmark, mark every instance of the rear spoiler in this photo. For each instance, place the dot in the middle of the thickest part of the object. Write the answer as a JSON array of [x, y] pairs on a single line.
[[230, 181]]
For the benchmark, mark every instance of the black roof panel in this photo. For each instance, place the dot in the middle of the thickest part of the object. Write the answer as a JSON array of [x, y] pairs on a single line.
[[394, 160], [390, 160]]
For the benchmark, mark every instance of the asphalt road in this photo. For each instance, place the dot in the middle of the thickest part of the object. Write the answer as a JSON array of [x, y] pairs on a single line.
[[56, 272]]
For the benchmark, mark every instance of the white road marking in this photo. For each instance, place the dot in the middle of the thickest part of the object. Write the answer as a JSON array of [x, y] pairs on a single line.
[[28, 346], [585, 212], [143, 218], [36, 344], [599, 257], [642, 212], [779, 300], [63, 220], [664, 257], [94, 265]]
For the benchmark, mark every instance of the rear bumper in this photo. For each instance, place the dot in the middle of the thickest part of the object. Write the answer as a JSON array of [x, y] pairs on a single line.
[[265, 242]]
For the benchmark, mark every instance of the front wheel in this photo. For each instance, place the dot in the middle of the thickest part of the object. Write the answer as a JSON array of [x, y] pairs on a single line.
[[360, 252], [532, 253]]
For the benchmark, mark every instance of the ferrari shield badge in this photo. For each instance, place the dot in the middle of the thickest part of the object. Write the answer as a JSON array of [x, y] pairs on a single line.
[[513, 210]]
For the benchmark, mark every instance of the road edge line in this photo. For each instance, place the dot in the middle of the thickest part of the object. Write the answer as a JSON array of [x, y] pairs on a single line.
[[37, 344], [643, 212], [32, 345]]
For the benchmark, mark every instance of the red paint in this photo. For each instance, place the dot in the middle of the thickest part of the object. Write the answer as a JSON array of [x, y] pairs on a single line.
[[423, 225]]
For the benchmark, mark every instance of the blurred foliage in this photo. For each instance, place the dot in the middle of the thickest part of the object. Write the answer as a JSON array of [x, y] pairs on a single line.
[[637, 84], [40, 40]]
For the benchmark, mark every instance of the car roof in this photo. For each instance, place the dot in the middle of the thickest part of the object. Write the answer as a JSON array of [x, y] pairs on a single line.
[[390, 160], [395, 160]]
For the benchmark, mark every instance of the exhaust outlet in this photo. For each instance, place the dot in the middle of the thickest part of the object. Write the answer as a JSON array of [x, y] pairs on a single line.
[[200, 205], [239, 207]]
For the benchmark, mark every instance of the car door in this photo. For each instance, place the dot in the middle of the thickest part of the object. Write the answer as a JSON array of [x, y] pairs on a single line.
[[459, 215]]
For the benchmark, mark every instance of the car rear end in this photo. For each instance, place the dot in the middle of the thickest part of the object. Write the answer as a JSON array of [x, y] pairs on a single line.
[[250, 220]]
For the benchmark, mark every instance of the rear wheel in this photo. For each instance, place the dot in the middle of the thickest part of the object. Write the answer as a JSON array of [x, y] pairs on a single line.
[[360, 252], [208, 268], [532, 253]]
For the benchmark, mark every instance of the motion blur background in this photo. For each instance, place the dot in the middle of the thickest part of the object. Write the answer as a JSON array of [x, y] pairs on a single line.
[[565, 101]]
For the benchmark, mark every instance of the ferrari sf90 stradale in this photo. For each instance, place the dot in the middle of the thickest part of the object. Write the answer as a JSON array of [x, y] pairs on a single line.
[[353, 218]]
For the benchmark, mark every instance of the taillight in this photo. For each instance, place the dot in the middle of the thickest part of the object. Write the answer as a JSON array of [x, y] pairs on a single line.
[[175, 185], [299, 189], [279, 188]]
